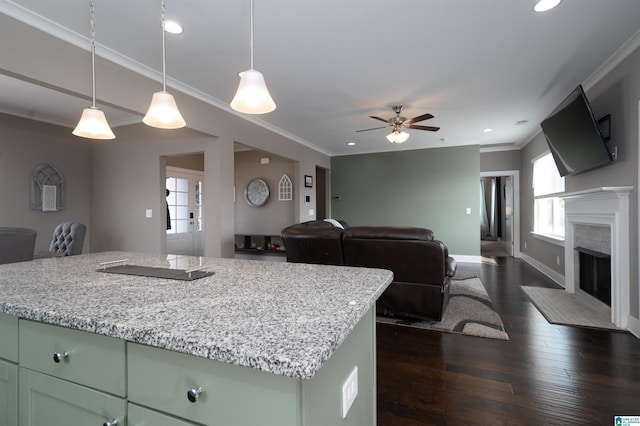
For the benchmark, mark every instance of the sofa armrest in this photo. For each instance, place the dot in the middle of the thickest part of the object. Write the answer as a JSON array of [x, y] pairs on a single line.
[[450, 266]]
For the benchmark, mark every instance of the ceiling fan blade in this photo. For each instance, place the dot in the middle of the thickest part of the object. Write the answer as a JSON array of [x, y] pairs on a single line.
[[378, 118], [418, 127], [418, 118], [375, 128]]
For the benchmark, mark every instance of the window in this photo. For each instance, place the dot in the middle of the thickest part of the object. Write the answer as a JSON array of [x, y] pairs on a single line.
[[547, 206]]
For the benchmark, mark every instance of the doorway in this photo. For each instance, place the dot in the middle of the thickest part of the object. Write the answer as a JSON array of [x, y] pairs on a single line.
[[185, 219], [499, 213]]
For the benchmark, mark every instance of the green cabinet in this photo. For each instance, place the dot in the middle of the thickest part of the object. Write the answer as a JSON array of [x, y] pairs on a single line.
[[49, 401], [8, 394], [71, 377]]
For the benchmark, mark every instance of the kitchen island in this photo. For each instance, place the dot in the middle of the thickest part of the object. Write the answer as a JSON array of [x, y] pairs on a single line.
[[264, 343]]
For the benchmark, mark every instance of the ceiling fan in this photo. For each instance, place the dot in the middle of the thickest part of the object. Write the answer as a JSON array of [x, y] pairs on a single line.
[[397, 122]]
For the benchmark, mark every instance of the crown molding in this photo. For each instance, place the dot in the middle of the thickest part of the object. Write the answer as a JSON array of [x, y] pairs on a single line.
[[54, 29]]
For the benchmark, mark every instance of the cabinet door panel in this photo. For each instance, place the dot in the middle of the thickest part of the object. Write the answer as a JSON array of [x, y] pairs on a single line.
[[9, 337], [8, 394], [47, 401], [140, 416]]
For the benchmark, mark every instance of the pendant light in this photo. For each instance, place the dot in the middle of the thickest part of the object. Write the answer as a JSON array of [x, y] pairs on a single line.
[[252, 96], [397, 136], [163, 111], [93, 124]]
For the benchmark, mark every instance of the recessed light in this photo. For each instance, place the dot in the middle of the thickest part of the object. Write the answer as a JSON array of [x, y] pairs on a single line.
[[351, 143], [544, 5], [444, 139], [487, 130], [172, 27]]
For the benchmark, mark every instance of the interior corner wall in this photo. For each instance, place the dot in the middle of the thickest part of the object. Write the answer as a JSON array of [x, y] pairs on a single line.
[[26, 144], [428, 188], [275, 214]]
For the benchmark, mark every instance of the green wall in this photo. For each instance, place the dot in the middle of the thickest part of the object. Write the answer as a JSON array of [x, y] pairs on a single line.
[[429, 188]]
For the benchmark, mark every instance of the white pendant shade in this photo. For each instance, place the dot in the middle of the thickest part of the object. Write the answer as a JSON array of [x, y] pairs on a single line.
[[397, 136], [93, 125], [163, 112], [252, 96]]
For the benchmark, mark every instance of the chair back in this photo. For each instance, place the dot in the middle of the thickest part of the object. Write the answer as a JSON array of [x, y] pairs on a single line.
[[16, 244], [68, 239]]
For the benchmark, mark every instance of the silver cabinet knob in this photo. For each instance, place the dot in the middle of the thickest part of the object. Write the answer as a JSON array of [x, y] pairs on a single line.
[[113, 422], [194, 394], [57, 356]]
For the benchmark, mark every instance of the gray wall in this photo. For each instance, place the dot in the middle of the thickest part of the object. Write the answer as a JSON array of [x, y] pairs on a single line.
[[26, 144], [500, 160], [617, 94], [274, 215], [428, 188]]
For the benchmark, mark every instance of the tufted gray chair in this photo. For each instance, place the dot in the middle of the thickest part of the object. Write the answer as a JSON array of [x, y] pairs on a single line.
[[16, 244], [68, 238]]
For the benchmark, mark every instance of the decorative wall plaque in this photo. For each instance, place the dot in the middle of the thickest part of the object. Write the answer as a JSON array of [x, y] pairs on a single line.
[[47, 188]]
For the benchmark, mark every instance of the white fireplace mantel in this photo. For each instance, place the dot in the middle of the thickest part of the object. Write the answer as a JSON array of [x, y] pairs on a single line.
[[606, 206]]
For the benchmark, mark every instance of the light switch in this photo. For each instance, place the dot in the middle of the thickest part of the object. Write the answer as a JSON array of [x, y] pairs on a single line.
[[149, 213], [311, 212], [468, 210]]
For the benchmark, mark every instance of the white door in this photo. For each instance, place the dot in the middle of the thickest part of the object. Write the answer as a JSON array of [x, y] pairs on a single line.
[[508, 205], [184, 212]]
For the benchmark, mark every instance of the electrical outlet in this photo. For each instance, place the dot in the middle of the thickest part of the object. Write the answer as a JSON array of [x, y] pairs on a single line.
[[558, 260], [349, 391], [149, 213], [525, 244], [468, 210]]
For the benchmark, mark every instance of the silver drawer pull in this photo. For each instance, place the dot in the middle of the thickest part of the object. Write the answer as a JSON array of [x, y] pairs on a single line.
[[113, 422], [57, 356], [194, 394]]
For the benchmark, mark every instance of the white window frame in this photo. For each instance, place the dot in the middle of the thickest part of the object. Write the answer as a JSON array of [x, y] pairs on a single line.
[[554, 195]]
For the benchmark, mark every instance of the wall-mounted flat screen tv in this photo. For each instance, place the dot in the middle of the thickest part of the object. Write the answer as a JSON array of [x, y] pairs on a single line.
[[574, 136]]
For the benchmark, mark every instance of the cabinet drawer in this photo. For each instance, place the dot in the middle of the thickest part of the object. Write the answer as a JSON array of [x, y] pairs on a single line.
[[231, 396], [9, 337], [92, 360], [8, 394], [45, 400], [140, 416]]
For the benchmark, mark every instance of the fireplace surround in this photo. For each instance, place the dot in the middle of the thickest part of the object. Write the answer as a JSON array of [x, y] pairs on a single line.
[[603, 207]]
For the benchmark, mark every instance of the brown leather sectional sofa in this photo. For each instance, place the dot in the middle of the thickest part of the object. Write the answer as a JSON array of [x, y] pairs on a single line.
[[421, 265]]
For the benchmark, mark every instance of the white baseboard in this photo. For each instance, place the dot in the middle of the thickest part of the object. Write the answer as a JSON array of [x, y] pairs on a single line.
[[555, 276], [633, 325], [467, 258]]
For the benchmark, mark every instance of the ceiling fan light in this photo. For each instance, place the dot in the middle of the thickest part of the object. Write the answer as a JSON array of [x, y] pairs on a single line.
[[397, 136], [163, 112], [544, 5], [252, 96], [93, 125]]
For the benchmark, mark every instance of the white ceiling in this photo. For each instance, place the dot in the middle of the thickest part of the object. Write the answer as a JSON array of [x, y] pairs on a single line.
[[329, 64]]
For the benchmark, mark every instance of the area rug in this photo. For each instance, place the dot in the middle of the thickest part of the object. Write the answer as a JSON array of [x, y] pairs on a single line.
[[469, 311], [561, 307]]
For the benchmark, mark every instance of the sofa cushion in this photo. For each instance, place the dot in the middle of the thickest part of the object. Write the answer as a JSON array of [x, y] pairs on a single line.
[[388, 233]]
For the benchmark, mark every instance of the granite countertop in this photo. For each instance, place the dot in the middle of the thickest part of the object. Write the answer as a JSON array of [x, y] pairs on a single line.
[[282, 318]]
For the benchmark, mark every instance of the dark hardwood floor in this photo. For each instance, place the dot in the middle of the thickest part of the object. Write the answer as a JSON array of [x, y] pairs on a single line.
[[544, 375]]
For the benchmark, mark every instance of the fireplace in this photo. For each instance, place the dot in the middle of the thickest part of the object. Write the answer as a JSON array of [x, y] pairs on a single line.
[[594, 274], [606, 209]]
